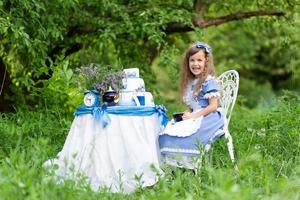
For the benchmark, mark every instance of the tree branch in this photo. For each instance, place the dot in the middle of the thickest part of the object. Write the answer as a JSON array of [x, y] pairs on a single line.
[[178, 27], [237, 16], [200, 7]]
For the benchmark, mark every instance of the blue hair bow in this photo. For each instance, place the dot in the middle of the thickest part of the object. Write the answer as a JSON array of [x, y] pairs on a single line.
[[204, 46]]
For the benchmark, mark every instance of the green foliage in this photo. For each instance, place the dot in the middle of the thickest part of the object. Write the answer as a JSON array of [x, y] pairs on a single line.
[[263, 52], [39, 36], [255, 94], [266, 144], [60, 89]]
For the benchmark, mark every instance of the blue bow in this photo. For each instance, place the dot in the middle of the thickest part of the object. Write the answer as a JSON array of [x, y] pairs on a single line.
[[98, 113], [206, 47], [161, 109], [105, 120]]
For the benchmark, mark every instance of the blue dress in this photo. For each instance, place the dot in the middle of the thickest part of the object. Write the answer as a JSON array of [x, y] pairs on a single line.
[[208, 128]]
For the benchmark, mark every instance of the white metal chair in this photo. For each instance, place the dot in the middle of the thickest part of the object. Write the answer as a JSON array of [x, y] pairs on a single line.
[[229, 83]]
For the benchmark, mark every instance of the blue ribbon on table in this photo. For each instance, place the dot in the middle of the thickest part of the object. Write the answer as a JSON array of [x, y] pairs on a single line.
[[98, 112], [101, 113], [161, 110]]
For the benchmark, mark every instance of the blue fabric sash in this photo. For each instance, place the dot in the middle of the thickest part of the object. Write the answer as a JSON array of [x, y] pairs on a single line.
[[101, 113]]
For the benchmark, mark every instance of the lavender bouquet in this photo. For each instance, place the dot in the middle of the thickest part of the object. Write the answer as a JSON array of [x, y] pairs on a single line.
[[112, 80], [100, 78]]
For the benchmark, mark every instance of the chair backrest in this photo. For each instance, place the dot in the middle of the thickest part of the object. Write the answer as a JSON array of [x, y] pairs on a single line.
[[229, 83]]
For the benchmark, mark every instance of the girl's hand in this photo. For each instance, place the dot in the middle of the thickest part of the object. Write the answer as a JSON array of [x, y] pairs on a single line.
[[190, 115], [187, 115]]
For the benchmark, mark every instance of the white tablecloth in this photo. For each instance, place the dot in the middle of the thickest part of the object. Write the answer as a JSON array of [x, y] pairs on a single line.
[[112, 156]]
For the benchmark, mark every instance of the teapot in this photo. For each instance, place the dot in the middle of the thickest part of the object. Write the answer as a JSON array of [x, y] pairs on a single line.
[[111, 97]]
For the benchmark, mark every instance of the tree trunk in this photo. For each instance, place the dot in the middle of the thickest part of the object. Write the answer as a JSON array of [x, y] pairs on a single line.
[[5, 90]]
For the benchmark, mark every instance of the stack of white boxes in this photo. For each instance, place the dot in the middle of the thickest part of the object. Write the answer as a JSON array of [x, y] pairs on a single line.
[[134, 86]]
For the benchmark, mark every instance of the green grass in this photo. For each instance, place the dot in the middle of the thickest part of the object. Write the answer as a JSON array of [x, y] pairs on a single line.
[[267, 146]]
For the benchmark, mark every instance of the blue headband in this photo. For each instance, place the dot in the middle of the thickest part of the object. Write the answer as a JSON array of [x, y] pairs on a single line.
[[203, 46]]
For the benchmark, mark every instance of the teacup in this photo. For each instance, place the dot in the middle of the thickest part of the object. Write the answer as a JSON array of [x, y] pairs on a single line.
[[141, 99], [111, 98], [177, 117]]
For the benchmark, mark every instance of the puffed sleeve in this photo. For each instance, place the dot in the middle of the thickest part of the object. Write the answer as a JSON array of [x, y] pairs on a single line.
[[211, 88]]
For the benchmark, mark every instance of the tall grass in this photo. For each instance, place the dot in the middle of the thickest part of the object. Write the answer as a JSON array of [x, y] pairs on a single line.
[[266, 145]]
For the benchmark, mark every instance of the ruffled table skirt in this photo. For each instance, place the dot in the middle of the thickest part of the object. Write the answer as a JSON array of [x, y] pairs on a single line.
[[113, 156]]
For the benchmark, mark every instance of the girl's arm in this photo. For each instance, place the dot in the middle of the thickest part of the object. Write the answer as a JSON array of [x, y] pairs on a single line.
[[213, 105]]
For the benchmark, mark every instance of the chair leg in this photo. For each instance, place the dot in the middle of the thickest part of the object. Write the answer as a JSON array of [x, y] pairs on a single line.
[[230, 148]]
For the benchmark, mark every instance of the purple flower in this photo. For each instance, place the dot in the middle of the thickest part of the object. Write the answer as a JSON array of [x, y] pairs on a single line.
[[100, 87], [94, 77]]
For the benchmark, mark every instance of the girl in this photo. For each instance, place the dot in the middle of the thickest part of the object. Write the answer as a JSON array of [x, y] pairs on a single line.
[[202, 122]]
